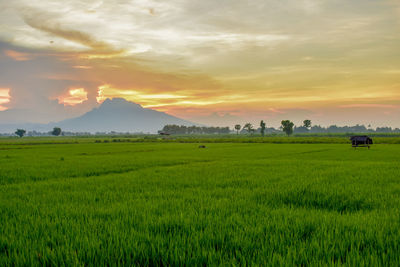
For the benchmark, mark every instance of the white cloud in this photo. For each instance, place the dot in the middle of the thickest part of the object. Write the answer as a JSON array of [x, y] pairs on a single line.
[[289, 51]]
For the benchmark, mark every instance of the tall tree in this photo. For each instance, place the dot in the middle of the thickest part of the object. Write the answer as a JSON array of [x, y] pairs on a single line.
[[307, 124], [237, 128], [287, 127], [56, 131], [20, 132], [249, 127], [262, 125]]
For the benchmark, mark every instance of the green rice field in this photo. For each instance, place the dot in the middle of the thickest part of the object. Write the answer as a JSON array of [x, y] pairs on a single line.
[[87, 202]]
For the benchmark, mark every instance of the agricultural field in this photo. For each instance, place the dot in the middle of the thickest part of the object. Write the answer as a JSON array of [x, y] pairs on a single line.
[[163, 202]]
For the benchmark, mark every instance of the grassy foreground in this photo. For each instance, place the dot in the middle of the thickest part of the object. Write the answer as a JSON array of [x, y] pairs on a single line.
[[160, 203]]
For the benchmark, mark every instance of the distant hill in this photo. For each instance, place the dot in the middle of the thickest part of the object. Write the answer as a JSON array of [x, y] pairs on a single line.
[[120, 115], [115, 114]]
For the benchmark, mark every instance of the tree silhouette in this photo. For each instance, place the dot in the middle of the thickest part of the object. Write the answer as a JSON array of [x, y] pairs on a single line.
[[307, 124], [287, 127], [56, 131], [249, 127], [262, 125], [237, 128], [20, 132]]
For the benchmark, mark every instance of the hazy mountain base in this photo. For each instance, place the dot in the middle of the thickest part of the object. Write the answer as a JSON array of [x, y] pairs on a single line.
[[112, 115], [121, 116]]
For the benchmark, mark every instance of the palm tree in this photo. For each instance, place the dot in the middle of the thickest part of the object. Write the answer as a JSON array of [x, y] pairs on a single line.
[[237, 128], [262, 125]]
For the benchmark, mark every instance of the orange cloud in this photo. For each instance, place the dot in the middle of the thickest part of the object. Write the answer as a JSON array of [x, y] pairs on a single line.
[[75, 96], [4, 97], [18, 56]]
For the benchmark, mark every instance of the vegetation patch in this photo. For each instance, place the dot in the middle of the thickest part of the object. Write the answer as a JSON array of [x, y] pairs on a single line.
[[173, 204], [324, 200]]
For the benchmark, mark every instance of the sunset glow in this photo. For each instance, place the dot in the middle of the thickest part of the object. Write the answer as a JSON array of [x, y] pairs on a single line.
[[4, 98], [155, 100], [17, 55], [106, 91], [324, 60], [75, 96], [199, 132]]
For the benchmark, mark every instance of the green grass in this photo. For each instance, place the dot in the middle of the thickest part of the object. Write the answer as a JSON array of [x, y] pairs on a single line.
[[231, 138], [169, 203]]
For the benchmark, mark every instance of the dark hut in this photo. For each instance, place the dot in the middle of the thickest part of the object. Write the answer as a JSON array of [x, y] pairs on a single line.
[[361, 141]]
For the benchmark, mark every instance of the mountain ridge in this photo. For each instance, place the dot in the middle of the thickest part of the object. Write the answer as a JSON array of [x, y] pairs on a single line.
[[116, 114]]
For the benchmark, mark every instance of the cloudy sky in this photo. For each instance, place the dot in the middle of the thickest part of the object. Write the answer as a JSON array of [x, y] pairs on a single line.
[[217, 62]]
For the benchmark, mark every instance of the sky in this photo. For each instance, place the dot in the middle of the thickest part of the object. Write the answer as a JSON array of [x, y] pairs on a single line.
[[213, 62]]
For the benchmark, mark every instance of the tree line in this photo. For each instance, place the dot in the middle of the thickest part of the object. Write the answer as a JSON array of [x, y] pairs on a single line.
[[287, 126], [290, 128], [56, 132], [182, 129]]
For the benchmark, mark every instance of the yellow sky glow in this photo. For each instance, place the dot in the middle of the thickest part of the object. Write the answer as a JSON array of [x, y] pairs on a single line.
[[74, 97], [4, 98], [324, 58]]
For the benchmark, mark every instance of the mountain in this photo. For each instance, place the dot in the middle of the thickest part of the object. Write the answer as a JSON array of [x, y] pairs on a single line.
[[120, 115], [115, 114]]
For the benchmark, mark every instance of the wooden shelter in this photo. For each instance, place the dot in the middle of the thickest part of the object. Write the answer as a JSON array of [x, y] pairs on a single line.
[[361, 141]]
